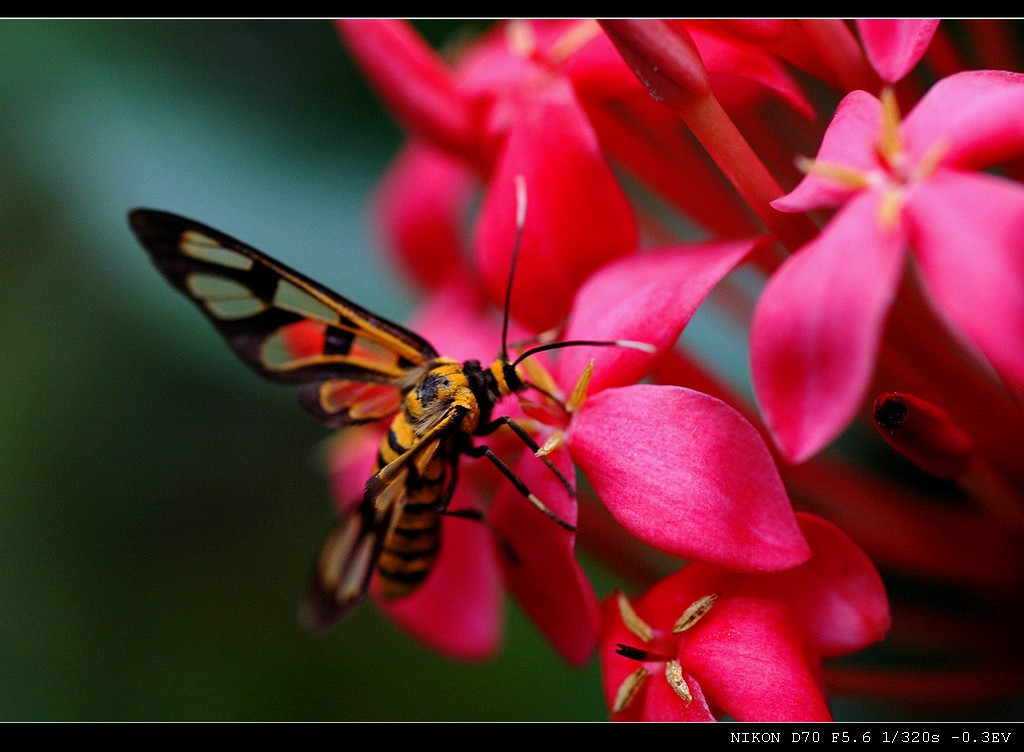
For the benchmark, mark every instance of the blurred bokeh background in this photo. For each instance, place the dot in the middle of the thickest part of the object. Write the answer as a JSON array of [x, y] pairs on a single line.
[[160, 506]]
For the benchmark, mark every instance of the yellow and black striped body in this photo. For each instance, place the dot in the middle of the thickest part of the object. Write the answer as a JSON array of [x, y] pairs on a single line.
[[439, 414]]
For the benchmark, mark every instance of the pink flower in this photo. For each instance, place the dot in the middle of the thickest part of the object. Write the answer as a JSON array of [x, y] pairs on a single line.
[[706, 642], [679, 469], [421, 229], [904, 185]]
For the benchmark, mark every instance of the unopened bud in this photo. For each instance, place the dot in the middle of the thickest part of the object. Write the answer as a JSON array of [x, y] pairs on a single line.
[[924, 433]]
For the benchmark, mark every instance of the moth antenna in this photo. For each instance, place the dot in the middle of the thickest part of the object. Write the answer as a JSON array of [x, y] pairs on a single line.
[[520, 183], [520, 222], [632, 344]]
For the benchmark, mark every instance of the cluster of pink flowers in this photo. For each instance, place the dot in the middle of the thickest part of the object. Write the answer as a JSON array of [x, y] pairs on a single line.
[[843, 193]]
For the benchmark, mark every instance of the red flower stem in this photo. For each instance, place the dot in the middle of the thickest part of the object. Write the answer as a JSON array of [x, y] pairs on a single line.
[[839, 48], [791, 134], [665, 60], [661, 54], [732, 153], [924, 433], [991, 490]]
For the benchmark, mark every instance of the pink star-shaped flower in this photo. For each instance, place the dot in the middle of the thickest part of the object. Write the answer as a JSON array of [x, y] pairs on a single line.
[[913, 185], [705, 642], [679, 469]]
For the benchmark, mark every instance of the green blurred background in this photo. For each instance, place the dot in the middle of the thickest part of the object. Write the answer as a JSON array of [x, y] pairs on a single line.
[[159, 504]]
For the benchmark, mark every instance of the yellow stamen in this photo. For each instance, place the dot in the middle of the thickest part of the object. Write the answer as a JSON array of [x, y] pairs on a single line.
[[839, 173], [627, 690], [577, 36], [890, 145], [554, 441], [579, 392], [931, 159], [674, 674], [537, 374], [889, 208], [520, 38], [631, 619], [693, 613]]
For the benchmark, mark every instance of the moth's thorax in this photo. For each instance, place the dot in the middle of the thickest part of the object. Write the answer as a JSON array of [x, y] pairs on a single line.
[[447, 384]]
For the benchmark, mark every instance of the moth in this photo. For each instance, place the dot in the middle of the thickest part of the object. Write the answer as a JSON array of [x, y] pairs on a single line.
[[363, 368]]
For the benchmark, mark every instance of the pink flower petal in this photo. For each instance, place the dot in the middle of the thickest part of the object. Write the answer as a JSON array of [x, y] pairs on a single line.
[[850, 141], [423, 229], [351, 464], [413, 80], [661, 703], [577, 216], [749, 659], [968, 234], [666, 600], [647, 297], [817, 327], [975, 116], [895, 45], [687, 474], [614, 667], [458, 610], [545, 577], [489, 66], [838, 595]]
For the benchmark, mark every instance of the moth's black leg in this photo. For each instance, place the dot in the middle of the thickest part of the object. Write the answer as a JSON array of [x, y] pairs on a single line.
[[521, 432], [485, 451]]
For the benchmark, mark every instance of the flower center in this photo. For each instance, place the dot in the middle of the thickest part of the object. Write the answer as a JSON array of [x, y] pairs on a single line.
[[895, 172], [663, 646]]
